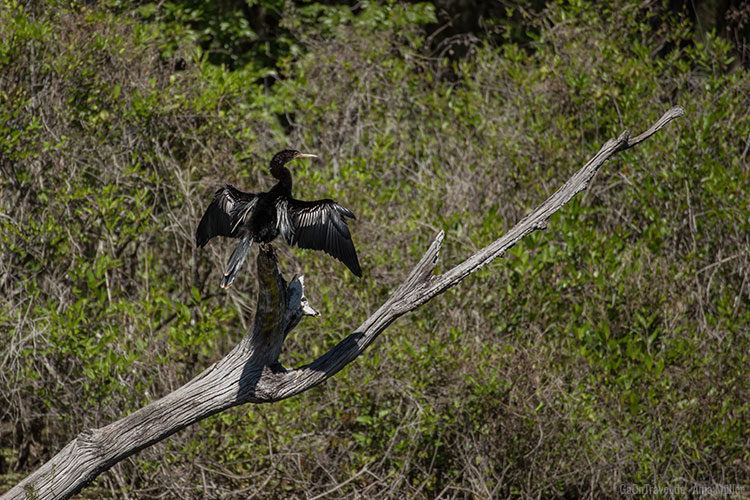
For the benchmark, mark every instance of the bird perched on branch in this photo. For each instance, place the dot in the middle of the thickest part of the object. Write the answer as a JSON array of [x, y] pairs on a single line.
[[261, 217]]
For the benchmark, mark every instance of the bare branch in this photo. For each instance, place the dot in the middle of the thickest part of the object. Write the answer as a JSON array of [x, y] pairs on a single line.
[[234, 380], [421, 285], [250, 373]]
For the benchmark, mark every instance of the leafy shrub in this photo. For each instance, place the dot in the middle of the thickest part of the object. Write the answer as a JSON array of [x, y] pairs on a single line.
[[608, 350]]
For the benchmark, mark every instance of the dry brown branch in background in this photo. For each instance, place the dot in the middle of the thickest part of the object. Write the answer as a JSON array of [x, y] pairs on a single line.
[[251, 373]]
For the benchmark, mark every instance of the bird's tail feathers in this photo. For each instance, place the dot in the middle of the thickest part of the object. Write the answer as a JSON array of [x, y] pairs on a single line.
[[235, 261]]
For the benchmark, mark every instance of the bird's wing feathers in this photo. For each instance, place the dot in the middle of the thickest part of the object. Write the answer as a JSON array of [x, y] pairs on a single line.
[[318, 225], [227, 211]]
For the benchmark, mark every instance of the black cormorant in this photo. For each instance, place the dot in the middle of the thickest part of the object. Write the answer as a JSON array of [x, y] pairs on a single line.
[[259, 218]]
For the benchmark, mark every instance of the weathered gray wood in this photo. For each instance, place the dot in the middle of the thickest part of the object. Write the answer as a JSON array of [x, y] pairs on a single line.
[[422, 285], [232, 381], [250, 373]]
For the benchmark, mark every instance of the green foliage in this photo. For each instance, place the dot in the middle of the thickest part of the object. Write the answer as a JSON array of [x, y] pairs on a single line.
[[609, 349]]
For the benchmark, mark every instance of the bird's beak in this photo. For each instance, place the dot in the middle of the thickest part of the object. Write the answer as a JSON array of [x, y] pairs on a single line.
[[305, 155]]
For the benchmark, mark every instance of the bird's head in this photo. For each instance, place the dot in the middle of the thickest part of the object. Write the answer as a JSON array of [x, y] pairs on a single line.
[[287, 155]]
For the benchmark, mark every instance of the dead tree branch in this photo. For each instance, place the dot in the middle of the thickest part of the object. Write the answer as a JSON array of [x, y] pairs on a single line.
[[250, 373]]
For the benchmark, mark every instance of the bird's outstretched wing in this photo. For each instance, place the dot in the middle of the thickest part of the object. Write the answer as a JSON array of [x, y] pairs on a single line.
[[226, 212], [318, 225]]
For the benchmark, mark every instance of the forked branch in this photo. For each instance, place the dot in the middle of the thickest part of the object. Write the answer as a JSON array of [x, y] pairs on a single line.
[[250, 373]]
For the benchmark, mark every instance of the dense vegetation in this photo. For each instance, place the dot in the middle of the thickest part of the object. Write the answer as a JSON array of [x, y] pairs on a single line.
[[609, 350]]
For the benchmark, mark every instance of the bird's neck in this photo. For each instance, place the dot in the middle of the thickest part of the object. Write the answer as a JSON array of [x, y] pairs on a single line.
[[284, 176]]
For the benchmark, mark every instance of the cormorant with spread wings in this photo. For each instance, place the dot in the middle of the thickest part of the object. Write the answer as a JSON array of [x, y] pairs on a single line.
[[261, 217]]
